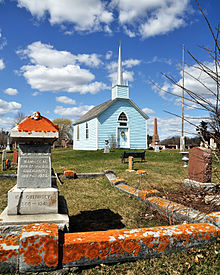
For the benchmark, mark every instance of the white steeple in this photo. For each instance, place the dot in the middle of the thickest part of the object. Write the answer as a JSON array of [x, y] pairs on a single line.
[[120, 76], [120, 90]]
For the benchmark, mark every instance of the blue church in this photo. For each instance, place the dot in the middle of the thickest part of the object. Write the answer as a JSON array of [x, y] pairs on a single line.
[[118, 120]]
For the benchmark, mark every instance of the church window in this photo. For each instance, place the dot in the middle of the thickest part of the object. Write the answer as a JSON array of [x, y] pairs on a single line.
[[77, 133], [122, 117], [87, 130]]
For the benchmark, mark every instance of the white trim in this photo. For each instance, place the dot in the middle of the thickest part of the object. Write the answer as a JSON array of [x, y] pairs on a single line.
[[73, 138], [97, 133], [146, 135], [126, 127], [123, 120]]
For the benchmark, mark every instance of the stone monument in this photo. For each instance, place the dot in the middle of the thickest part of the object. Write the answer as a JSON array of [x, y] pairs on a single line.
[[106, 149], [155, 140], [8, 144], [200, 169], [34, 198]]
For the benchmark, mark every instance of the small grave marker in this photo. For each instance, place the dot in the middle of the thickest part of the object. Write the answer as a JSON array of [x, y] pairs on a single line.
[[106, 149], [3, 160], [15, 157], [200, 169], [130, 164]]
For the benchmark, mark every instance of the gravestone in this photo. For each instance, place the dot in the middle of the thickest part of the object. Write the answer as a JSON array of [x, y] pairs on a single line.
[[15, 157], [34, 194], [3, 160], [200, 169], [106, 149], [200, 164]]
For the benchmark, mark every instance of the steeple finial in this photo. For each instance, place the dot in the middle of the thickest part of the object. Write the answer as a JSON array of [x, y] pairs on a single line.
[[120, 76]]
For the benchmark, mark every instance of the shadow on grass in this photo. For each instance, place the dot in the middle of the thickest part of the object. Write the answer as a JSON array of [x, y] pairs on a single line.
[[97, 220]]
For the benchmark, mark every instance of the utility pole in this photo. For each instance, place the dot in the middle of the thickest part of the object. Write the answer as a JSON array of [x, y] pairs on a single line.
[[182, 138]]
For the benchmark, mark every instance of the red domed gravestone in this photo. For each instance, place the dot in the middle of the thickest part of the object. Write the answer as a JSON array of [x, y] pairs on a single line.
[[34, 198]]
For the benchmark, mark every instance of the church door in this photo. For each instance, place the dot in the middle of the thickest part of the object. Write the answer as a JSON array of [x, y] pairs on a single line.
[[123, 137]]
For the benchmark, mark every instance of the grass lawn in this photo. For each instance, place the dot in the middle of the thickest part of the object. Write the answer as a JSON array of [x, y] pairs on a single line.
[[94, 205]]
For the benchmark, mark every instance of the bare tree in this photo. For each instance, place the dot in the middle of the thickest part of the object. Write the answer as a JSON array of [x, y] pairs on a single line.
[[19, 117], [207, 99]]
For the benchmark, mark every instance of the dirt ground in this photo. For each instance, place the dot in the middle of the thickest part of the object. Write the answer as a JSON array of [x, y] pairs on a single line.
[[192, 198]]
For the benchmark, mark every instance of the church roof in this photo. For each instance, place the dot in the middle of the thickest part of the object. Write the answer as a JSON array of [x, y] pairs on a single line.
[[97, 110]]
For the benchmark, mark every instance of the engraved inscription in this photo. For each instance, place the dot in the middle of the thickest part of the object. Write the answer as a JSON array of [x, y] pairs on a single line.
[[34, 171], [37, 200], [34, 168]]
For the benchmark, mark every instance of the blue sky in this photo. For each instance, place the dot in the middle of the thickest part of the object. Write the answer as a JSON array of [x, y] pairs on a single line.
[[59, 57]]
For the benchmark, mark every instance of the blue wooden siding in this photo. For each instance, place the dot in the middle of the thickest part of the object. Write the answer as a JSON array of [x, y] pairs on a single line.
[[85, 143], [120, 92], [108, 123]]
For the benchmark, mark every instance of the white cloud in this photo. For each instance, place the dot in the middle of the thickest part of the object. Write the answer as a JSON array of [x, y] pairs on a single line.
[[130, 33], [3, 41], [46, 55], [65, 100], [2, 65], [6, 122], [53, 70], [128, 76], [108, 55], [11, 91], [74, 112], [193, 77], [129, 63], [86, 15], [143, 18], [56, 79], [91, 60], [160, 60], [9, 107], [152, 17], [148, 110]]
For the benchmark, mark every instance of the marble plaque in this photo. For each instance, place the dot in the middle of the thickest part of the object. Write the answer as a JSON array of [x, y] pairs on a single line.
[[30, 201], [34, 166]]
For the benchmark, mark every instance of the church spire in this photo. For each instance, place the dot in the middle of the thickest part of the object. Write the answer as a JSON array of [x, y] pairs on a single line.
[[120, 90], [120, 76]]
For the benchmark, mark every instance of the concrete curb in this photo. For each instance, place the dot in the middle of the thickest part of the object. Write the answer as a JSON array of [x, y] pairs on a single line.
[[81, 249], [39, 247], [172, 210]]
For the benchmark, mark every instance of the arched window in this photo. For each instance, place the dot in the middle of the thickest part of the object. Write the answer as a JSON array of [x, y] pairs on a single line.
[[122, 117]]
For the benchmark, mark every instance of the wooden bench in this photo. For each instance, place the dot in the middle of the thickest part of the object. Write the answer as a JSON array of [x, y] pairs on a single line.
[[140, 154]]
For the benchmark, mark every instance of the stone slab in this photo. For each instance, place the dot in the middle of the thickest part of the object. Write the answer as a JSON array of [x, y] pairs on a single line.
[[34, 166], [205, 186], [91, 248], [174, 211], [39, 247], [30, 201], [213, 218], [9, 251], [16, 222]]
